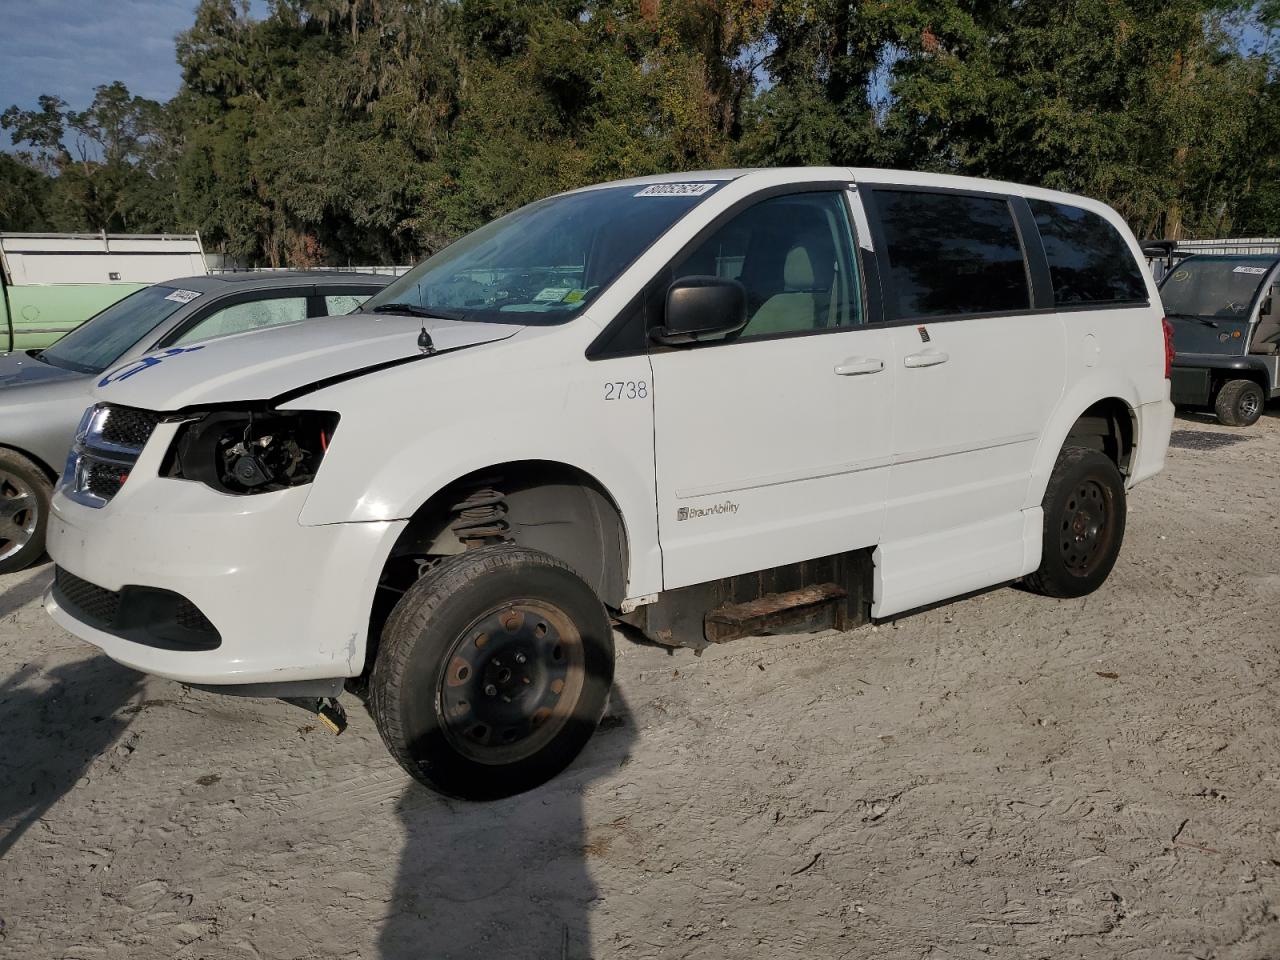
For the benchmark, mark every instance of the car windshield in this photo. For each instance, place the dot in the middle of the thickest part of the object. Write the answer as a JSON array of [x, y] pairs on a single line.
[[101, 340], [1214, 287], [545, 262]]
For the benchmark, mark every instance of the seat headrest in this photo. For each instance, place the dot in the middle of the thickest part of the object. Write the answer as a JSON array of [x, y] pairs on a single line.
[[797, 272]]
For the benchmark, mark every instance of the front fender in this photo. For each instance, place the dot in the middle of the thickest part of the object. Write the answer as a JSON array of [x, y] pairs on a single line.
[[389, 456]]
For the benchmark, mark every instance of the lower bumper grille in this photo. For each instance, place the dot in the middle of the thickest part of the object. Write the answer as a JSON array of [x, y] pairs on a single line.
[[146, 615]]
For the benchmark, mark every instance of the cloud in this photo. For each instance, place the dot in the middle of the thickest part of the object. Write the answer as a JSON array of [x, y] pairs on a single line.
[[68, 47]]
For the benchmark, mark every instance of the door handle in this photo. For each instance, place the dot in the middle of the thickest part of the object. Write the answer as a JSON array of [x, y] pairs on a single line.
[[929, 359], [856, 365]]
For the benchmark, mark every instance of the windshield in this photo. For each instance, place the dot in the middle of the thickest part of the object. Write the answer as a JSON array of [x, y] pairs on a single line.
[[545, 262], [1214, 287], [99, 342]]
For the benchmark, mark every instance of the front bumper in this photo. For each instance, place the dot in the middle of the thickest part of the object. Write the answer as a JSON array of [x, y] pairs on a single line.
[[289, 602]]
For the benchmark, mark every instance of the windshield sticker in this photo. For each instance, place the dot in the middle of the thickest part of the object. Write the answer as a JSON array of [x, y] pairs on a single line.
[[676, 189], [574, 296], [1252, 271], [183, 296], [146, 363], [552, 294]]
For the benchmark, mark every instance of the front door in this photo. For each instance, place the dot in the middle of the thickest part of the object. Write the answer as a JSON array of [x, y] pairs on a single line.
[[772, 446]]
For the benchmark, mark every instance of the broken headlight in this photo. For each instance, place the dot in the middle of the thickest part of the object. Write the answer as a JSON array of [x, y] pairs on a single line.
[[251, 452]]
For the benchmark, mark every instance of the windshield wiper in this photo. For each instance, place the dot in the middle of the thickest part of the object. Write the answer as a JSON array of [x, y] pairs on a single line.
[[1191, 316], [413, 310]]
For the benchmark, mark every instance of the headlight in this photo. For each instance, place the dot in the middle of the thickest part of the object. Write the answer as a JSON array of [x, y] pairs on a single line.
[[251, 452]]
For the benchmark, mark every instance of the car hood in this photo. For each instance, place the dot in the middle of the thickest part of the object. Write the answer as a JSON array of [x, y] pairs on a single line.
[[285, 360], [21, 369]]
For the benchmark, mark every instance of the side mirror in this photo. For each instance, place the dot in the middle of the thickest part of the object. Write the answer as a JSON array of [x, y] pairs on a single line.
[[701, 307]]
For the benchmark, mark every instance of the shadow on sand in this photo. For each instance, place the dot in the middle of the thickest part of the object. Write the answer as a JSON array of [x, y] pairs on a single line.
[[54, 725], [507, 878]]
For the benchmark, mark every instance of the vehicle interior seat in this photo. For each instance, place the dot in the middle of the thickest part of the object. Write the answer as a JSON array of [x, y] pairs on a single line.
[[1266, 335], [789, 272]]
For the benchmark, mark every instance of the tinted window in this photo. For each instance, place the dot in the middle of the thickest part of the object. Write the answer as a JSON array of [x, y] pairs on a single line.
[[99, 342], [253, 315], [794, 256], [1089, 262], [951, 254]]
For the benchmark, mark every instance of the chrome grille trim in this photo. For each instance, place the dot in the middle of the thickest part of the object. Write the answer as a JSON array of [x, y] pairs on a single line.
[[107, 446]]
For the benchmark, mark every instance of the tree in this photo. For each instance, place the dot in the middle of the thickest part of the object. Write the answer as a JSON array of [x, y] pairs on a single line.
[[105, 159], [24, 194]]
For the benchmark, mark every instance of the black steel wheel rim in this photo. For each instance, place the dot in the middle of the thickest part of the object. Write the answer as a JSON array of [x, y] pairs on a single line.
[[1087, 527], [511, 682]]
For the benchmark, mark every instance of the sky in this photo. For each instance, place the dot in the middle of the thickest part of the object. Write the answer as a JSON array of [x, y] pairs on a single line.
[[69, 47]]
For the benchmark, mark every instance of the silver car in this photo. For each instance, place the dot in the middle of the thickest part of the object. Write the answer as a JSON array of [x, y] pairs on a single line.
[[43, 393]]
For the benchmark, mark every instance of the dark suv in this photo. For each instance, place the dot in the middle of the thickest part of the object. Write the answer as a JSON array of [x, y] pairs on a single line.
[[1225, 312]]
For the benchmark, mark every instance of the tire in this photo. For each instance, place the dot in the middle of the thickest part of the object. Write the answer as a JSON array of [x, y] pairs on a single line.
[[457, 706], [1084, 517], [1239, 403], [24, 511]]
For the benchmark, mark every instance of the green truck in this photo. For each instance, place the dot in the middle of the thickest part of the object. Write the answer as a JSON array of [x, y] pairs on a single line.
[[50, 283]]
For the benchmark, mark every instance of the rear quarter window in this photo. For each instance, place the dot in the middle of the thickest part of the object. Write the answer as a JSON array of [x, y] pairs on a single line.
[[1089, 262], [951, 254]]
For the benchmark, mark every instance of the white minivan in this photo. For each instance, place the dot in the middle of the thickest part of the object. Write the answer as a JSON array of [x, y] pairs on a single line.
[[709, 405]]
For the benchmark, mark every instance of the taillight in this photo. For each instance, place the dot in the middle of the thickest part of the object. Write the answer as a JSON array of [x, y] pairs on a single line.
[[1169, 352]]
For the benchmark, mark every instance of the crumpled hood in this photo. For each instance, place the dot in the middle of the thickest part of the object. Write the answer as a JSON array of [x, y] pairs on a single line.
[[21, 369], [263, 364]]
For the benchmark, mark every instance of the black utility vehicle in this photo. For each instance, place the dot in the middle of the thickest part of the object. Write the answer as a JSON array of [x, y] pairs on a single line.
[[1225, 312]]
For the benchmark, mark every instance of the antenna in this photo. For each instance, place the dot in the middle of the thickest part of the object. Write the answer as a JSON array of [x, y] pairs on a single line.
[[424, 342]]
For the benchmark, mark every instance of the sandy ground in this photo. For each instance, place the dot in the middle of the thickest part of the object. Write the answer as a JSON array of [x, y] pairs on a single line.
[[1005, 776]]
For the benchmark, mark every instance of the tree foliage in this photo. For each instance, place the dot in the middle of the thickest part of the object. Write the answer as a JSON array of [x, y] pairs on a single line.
[[336, 131]]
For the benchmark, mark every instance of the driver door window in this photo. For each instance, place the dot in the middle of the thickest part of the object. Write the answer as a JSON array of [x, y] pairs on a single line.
[[794, 256]]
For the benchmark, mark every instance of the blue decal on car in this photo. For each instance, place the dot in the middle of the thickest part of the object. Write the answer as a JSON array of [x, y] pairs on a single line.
[[124, 373]]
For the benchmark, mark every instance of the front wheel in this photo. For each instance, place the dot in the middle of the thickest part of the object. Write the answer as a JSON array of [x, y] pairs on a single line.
[[493, 671], [1084, 515], [24, 511], [1239, 403]]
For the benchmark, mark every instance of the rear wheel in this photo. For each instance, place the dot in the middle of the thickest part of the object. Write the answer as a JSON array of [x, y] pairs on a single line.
[[24, 511], [1239, 403], [493, 672], [1084, 516]]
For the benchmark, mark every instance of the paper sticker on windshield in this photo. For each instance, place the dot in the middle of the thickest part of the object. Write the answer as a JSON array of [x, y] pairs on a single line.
[[183, 296], [551, 294], [676, 189], [1253, 271]]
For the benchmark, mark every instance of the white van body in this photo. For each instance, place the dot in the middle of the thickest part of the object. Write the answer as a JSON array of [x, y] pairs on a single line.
[[927, 443]]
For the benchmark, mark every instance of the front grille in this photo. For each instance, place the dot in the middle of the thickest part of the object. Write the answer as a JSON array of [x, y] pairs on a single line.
[[107, 447], [91, 603], [146, 615], [128, 427], [104, 480]]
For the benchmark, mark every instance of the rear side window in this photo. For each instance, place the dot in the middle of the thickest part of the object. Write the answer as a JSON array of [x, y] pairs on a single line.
[[1089, 262], [951, 254]]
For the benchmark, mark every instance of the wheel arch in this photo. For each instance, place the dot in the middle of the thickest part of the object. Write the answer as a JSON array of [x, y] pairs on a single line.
[[547, 505], [47, 470], [1108, 424]]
